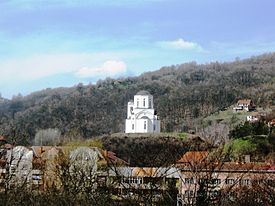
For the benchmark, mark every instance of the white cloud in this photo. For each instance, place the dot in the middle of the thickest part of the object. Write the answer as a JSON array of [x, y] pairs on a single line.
[[179, 44], [107, 69], [45, 65], [35, 67]]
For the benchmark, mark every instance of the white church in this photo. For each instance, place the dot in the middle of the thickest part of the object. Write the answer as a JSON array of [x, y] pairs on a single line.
[[141, 116]]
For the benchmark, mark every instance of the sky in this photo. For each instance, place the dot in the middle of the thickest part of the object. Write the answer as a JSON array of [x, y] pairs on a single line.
[[56, 43]]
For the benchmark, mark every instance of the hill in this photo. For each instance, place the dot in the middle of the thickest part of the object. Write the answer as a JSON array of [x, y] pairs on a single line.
[[142, 150], [229, 117], [183, 94]]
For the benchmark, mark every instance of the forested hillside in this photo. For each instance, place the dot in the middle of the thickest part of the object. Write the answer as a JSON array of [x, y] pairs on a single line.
[[182, 94]]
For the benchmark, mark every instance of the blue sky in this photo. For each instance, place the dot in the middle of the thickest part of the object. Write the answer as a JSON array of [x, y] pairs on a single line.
[[52, 43]]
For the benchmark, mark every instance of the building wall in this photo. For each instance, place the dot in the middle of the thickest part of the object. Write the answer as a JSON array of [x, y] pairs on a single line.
[[143, 101], [189, 181], [20, 164], [140, 116], [252, 118], [137, 126]]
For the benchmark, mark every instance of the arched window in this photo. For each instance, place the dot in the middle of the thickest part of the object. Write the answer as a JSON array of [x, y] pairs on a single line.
[[133, 126], [145, 126]]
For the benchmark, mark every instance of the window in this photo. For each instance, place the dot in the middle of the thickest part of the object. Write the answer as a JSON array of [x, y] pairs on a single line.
[[131, 110], [189, 193], [150, 103], [12, 169], [145, 125], [137, 102], [257, 181], [229, 181], [154, 127], [189, 181], [203, 181], [144, 102], [133, 126], [36, 177], [214, 193], [271, 182], [132, 180], [216, 181], [245, 182]]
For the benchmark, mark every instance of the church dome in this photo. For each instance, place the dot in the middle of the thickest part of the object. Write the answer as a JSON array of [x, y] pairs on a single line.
[[143, 92]]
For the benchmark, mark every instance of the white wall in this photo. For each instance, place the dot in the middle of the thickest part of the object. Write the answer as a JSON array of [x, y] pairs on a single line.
[[138, 101], [139, 126], [143, 112]]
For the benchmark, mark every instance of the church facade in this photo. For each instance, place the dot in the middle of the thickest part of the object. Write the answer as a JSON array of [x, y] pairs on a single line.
[[141, 117]]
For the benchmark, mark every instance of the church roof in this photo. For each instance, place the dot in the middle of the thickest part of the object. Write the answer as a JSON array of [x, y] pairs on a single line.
[[143, 92]]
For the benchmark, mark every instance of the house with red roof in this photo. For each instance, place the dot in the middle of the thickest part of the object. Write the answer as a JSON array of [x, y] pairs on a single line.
[[245, 105]]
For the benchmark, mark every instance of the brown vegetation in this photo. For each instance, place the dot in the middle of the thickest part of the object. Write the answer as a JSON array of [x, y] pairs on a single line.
[[182, 94]]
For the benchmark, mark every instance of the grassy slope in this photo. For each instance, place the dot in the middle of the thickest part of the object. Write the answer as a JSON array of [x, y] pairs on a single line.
[[230, 117]]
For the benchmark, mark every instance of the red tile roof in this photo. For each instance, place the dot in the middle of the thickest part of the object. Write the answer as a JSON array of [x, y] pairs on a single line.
[[6, 146], [111, 157], [245, 101], [272, 122], [193, 157], [2, 138]]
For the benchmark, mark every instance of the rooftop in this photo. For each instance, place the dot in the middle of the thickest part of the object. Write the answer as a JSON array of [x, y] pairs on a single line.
[[193, 156], [143, 92], [2, 138], [244, 101]]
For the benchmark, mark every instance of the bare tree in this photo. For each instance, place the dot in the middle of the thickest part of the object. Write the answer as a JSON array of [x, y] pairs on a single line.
[[144, 185], [208, 179], [47, 137], [215, 134]]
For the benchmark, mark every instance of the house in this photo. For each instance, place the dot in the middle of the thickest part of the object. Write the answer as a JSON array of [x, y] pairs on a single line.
[[193, 158], [245, 105], [41, 167], [141, 115], [253, 117], [199, 174], [143, 184], [19, 165], [271, 123], [195, 172], [84, 163]]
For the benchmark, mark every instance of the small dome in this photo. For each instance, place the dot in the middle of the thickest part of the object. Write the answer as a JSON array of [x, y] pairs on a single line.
[[143, 92]]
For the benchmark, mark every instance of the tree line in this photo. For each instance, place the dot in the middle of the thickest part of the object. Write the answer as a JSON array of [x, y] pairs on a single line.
[[182, 94]]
